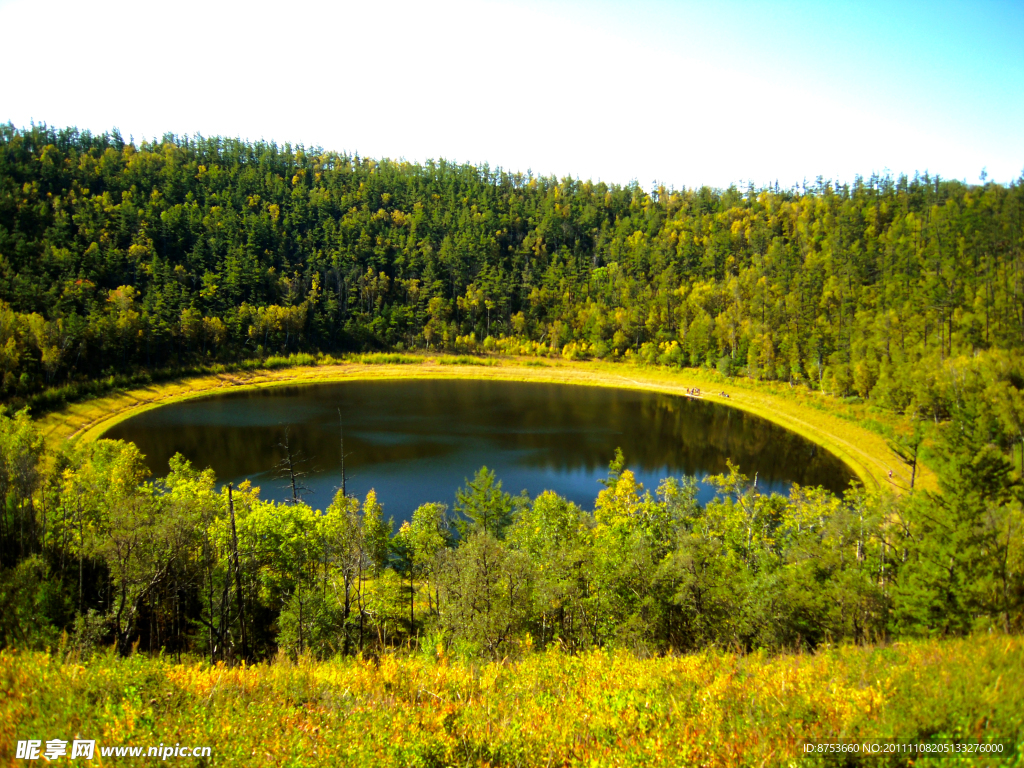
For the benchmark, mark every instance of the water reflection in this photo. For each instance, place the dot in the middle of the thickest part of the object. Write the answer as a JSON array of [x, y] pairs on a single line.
[[417, 441]]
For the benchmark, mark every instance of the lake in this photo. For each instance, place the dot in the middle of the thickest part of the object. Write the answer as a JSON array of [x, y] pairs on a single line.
[[419, 440]]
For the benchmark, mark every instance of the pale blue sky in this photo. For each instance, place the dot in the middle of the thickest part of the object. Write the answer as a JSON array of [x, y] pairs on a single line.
[[685, 93]]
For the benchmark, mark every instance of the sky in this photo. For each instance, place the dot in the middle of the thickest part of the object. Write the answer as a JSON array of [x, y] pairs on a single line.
[[683, 94]]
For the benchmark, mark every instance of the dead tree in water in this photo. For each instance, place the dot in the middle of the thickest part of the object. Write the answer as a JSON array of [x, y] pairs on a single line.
[[289, 467], [341, 432]]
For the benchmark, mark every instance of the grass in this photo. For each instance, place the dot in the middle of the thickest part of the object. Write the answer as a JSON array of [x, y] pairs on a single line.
[[383, 358], [836, 426], [467, 360], [597, 709]]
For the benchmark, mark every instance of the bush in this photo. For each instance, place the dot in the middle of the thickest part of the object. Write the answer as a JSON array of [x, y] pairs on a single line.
[[30, 605]]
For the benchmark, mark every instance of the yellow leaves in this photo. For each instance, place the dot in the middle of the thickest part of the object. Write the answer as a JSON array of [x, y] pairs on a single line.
[[123, 297], [621, 507], [637, 239], [389, 671], [601, 707], [539, 247], [138, 252]]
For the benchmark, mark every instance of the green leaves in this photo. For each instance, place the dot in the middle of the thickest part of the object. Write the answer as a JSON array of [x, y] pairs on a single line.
[[484, 505], [485, 588]]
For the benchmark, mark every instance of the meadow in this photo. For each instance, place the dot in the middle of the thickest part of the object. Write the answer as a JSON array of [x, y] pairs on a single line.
[[598, 708]]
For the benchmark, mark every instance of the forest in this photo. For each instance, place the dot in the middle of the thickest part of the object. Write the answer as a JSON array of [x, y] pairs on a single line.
[[117, 258], [120, 260]]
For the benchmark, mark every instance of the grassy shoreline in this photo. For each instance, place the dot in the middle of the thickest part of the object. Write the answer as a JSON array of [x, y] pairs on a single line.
[[863, 450]]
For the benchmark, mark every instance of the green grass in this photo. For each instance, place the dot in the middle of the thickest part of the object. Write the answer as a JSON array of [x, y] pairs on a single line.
[[467, 360], [273, 363], [383, 358]]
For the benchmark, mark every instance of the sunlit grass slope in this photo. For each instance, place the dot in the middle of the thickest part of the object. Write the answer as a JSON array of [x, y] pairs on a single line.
[[596, 709]]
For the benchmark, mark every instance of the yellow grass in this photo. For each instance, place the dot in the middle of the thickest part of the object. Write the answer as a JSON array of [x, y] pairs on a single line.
[[597, 709]]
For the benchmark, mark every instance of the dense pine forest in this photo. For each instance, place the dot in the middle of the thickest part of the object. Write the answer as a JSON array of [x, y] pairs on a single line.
[[120, 259], [117, 257]]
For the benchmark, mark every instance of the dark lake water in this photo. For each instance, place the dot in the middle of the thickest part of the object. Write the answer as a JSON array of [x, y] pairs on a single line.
[[418, 441]]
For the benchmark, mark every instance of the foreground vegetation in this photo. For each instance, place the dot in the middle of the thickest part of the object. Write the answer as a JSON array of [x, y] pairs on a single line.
[[92, 547], [599, 708]]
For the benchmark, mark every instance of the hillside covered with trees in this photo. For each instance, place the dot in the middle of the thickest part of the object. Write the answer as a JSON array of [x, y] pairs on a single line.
[[116, 257]]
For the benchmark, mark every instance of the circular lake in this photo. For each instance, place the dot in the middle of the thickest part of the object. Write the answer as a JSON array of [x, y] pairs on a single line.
[[417, 441]]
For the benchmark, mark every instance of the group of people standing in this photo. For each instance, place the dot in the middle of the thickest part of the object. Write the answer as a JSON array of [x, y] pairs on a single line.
[[695, 392]]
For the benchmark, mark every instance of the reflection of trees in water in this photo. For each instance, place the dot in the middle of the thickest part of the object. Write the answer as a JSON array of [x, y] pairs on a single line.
[[238, 451], [694, 438], [544, 426]]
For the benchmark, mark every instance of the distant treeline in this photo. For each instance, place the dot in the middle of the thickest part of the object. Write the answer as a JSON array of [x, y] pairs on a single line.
[[90, 547], [117, 256]]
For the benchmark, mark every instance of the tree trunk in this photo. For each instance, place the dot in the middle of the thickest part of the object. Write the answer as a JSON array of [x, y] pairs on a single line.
[[238, 574]]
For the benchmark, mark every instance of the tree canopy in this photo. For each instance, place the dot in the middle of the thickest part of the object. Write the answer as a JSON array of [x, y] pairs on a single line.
[[116, 256]]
